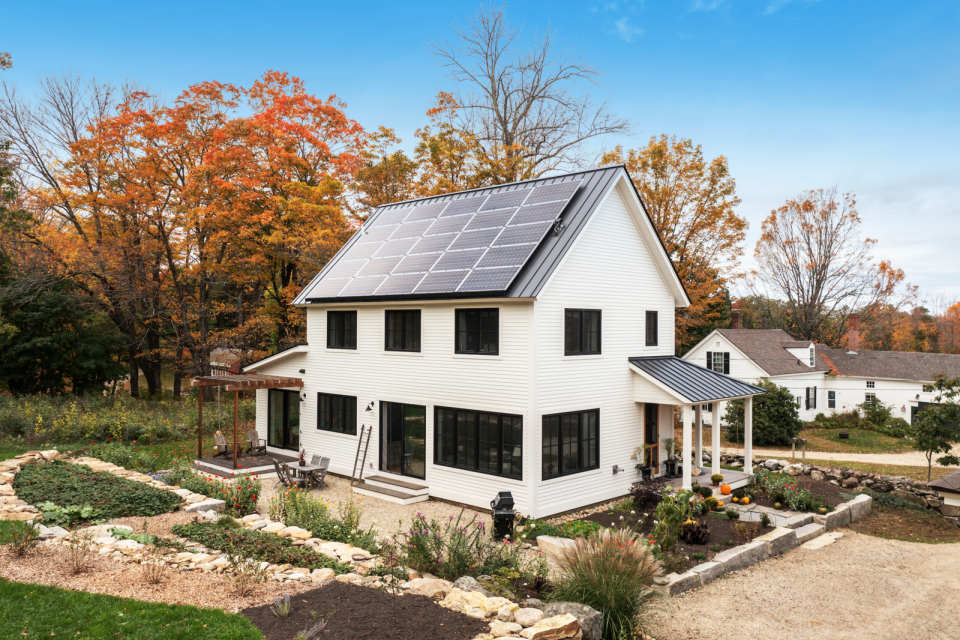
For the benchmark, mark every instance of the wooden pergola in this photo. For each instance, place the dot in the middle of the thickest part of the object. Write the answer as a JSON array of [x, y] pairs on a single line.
[[237, 382]]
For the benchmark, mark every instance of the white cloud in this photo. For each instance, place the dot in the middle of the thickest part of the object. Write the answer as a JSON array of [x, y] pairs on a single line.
[[625, 30], [775, 5], [705, 5]]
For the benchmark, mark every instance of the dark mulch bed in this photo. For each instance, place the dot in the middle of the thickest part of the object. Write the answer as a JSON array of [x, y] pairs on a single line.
[[362, 613], [722, 536], [912, 525], [830, 493]]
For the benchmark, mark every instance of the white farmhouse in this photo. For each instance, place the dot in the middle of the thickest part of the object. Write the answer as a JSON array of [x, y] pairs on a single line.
[[515, 338], [822, 379]]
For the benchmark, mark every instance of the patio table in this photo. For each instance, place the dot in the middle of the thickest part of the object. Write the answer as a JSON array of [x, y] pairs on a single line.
[[304, 470]]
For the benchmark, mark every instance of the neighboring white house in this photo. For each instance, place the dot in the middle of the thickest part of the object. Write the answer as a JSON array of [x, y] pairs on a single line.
[[515, 338], [825, 380]]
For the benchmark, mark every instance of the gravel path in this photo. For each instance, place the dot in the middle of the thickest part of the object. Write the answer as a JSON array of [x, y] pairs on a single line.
[[910, 458], [859, 587]]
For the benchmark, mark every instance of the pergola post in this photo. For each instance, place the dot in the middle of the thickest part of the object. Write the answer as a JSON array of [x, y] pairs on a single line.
[[698, 442], [236, 441], [748, 435], [715, 437], [687, 448], [200, 427]]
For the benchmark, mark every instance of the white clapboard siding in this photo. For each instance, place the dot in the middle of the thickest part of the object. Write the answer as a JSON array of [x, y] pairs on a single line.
[[610, 268], [433, 377]]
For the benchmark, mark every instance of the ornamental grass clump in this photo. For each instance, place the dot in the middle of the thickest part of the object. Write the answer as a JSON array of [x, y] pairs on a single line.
[[611, 571], [297, 508]]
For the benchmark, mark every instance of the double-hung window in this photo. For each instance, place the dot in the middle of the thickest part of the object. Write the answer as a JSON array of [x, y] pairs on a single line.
[[719, 361], [341, 329], [478, 331], [581, 332], [831, 399], [479, 441], [652, 329], [403, 330], [571, 443], [337, 413], [870, 399], [811, 397]]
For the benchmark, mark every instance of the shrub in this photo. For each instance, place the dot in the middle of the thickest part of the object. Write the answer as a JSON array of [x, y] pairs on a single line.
[[580, 528], [733, 514], [108, 496], [672, 512], [775, 417], [260, 546], [297, 508], [531, 528], [764, 519], [22, 538], [241, 493], [706, 492], [695, 532], [647, 495], [609, 571], [890, 500]]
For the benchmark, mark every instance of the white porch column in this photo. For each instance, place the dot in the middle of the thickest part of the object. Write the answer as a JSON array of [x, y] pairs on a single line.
[[698, 442], [687, 442], [748, 435], [715, 437]]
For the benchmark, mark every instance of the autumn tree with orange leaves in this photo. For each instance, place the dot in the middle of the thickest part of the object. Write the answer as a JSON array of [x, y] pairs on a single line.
[[811, 255], [692, 203]]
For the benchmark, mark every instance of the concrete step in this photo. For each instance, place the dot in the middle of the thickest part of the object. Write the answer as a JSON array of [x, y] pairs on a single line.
[[397, 484], [390, 495], [809, 531]]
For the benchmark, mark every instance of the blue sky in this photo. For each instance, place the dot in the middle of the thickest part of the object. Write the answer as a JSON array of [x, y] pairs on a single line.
[[798, 94]]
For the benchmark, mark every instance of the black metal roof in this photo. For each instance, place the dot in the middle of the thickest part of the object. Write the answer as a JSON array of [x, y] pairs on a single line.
[[697, 384], [542, 263]]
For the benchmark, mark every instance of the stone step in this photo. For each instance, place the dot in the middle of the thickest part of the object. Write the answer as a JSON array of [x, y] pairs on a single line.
[[390, 495], [397, 484], [809, 531]]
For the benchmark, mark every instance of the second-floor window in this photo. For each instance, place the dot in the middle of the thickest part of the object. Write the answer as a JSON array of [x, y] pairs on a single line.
[[403, 331], [581, 332], [652, 329], [341, 329], [719, 361], [831, 399], [871, 384], [811, 356], [478, 331]]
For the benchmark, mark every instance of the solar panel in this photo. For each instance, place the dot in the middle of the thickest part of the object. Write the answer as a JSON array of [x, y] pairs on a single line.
[[489, 279], [523, 234], [448, 225], [458, 260], [441, 281], [506, 199], [427, 211], [470, 204], [398, 285], [472, 243], [475, 239], [417, 263], [493, 220]]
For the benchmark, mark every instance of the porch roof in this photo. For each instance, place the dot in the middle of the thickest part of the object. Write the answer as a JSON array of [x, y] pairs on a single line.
[[246, 381], [690, 383]]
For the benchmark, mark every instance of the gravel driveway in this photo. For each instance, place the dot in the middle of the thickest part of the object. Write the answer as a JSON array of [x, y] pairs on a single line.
[[860, 587]]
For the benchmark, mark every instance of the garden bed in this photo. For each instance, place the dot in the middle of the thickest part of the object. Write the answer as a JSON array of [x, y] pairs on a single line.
[[353, 612], [828, 493]]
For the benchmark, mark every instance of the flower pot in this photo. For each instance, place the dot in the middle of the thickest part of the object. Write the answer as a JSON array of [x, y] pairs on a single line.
[[303, 463], [716, 484], [671, 468], [645, 472]]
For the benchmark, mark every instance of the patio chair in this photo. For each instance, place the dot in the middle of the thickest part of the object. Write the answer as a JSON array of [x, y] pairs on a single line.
[[255, 443], [223, 449], [285, 478], [318, 477]]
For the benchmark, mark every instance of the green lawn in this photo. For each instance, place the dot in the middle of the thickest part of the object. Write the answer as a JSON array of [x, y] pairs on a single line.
[[166, 453], [826, 440], [36, 611]]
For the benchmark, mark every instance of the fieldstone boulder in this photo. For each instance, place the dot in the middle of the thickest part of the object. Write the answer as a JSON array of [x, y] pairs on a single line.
[[910, 496], [818, 475], [500, 629], [505, 613], [429, 587], [555, 628], [527, 617], [591, 622], [210, 504], [882, 486], [851, 483], [468, 583], [794, 469], [463, 601], [950, 510], [533, 603], [553, 547]]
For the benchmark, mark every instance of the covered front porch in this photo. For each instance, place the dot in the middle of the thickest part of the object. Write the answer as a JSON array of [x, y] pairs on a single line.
[[668, 380]]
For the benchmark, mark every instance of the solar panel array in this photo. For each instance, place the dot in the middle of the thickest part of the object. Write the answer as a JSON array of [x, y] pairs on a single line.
[[475, 243]]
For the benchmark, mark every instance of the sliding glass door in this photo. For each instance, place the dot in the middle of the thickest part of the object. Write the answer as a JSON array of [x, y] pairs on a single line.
[[403, 437], [283, 419]]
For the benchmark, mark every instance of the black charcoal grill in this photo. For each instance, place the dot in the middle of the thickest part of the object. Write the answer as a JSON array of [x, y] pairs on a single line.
[[503, 515]]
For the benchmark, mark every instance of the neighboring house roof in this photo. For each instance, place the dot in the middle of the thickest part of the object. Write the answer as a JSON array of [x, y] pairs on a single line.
[[768, 349], [693, 382], [491, 264], [894, 365], [949, 483]]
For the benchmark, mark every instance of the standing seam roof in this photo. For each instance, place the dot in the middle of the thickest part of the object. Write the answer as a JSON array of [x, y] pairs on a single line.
[[696, 383]]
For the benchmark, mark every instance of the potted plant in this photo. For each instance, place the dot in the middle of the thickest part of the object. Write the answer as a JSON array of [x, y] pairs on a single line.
[[716, 479], [671, 461], [646, 467], [302, 457]]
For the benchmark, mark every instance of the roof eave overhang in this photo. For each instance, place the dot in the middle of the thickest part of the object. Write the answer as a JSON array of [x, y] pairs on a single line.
[[275, 358], [682, 399]]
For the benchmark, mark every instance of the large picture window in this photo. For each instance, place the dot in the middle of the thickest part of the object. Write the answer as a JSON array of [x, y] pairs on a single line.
[[403, 331], [581, 332], [479, 441], [341, 329], [478, 331], [337, 413], [571, 443]]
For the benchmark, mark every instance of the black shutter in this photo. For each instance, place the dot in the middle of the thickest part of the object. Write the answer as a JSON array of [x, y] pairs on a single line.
[[807, 404], [814, 397], [726, 362], [709, 360]]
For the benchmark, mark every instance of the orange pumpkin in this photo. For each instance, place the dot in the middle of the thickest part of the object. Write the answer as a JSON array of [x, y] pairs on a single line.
[[746, 500], [725, 489], [735, 499]]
